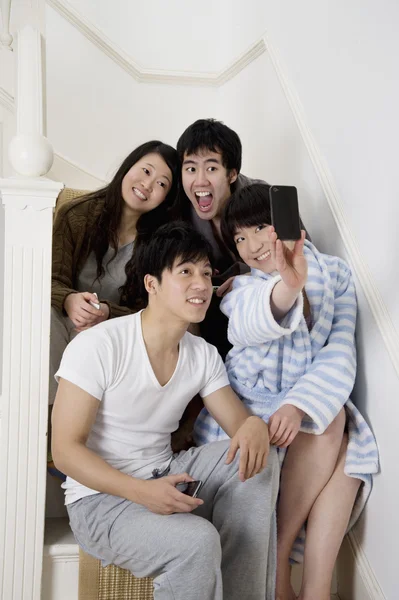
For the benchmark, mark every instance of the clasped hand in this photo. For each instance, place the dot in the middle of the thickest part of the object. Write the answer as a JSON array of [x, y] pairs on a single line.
[[284, 425], [82, 314]]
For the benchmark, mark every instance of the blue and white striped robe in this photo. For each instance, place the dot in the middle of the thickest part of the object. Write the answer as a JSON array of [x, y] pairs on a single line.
[[272, 364]]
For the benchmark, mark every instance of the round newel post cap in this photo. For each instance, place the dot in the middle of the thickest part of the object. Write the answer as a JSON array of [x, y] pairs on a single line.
[[31, 155], [6, 40]]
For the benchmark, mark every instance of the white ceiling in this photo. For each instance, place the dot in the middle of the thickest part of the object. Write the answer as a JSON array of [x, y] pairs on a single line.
[[201, 36]]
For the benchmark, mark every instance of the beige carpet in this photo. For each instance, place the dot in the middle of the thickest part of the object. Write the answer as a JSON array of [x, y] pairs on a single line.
[[110, 583]]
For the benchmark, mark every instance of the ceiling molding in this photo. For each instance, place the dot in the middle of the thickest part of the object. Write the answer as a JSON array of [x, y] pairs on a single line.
[[123, 60], [6, 100]]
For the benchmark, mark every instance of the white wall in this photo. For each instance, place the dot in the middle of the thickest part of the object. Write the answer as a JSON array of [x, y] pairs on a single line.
[[342, 61], [97, 113], [255, 106]]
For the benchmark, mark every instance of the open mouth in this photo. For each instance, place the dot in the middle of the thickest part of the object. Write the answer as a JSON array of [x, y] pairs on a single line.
[[264, 256], [204, 200], [139, 194]]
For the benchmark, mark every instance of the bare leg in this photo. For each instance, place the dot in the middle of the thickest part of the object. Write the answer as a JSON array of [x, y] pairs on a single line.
[[308, 465], [327, 523]]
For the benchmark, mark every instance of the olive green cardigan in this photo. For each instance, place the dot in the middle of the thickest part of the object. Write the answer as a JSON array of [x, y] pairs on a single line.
[[73, 223]]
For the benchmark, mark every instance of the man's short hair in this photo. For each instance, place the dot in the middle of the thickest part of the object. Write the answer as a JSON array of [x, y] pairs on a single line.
[[209, 134], [175, 240]]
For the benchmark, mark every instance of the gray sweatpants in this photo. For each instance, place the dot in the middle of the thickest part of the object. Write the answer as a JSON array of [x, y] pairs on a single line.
[[226, 548]]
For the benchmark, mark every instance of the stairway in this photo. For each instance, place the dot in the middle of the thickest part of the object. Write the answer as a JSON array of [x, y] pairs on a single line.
[[61, 563]]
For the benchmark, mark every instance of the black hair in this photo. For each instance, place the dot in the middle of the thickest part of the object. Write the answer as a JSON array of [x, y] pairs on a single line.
[[247, 207], [175, 240], [105, 230], [215, 136]]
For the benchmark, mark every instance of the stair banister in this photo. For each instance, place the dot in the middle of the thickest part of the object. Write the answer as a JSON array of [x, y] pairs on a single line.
[[28, 200]]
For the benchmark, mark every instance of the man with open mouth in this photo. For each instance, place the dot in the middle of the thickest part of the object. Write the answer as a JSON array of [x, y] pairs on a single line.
[[210, 154]]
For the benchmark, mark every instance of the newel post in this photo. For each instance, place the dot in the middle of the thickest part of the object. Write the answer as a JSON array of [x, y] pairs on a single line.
[[28, 200]]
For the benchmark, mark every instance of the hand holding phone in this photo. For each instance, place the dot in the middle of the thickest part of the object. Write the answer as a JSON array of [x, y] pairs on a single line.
[[162, 496], [285, 212], [191, 488]]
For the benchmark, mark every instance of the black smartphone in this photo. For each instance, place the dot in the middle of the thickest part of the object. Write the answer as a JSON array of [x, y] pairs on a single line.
[[285, 212], [191, 488]]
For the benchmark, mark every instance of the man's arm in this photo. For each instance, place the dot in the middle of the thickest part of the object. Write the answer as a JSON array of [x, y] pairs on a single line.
[[227, 409], [73, 416], [248, 432]]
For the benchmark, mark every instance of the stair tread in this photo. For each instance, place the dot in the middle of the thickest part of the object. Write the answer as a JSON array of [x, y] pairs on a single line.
[[58, 538]]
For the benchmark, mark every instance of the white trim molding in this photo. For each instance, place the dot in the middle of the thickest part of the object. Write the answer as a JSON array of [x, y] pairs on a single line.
[[6, 100], [356, 579], [64, 164], [373, 296], [126, 62]]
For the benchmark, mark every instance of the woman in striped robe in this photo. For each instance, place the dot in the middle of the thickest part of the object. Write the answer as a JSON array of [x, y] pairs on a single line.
[[293, 363]]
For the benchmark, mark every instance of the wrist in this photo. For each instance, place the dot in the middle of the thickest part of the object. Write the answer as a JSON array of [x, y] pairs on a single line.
[[255, 419], [291, 291], [67, 300], [301, 413], [134, 489]]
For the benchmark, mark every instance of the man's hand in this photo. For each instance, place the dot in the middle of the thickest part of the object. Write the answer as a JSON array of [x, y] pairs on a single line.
[[82, 314], [161, 496], [284, 425], [252, 438]]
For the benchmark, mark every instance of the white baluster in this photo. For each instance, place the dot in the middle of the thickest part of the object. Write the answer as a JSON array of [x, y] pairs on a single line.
[[28, 201], [5, 36]]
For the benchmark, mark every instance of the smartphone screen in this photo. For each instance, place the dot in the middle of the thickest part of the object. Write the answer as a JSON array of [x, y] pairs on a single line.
[[285, 212], [191, 488]]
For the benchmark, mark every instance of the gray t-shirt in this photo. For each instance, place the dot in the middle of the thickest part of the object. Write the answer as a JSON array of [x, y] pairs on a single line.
[[106, 288]]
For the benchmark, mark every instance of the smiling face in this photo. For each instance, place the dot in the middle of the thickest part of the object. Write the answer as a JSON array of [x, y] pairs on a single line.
[[146, 184], [184, 292], [206, 182], [253, 246]]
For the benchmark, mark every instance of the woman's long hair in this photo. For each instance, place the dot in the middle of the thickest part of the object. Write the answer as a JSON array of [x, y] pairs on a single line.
[[105, 230]]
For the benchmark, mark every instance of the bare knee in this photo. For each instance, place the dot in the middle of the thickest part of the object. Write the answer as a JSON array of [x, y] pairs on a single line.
[[335, 431]]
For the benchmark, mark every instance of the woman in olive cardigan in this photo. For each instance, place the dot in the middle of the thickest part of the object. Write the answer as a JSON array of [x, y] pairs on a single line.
[[93, 277]]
